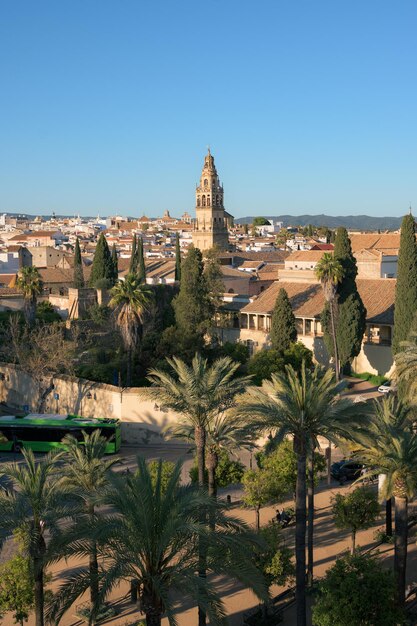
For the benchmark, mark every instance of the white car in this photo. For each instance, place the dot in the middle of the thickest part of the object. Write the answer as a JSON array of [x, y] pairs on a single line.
[[388, 387]]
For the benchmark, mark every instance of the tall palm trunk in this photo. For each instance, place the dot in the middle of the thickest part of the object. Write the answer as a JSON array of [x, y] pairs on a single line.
[[353, 546], [212, 461], [401, 537], [300, 533], [151, 607], [257, 518], [388, 517], [200, 442], [336, 352], [129, 367], [310, 526], [39, 592], [93, 564]]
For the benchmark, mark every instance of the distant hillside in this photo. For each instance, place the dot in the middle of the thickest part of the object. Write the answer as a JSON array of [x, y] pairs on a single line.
[[351, 222]]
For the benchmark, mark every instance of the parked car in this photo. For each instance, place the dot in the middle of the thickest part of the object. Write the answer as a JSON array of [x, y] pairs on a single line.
[[346, 470], [388, 387]]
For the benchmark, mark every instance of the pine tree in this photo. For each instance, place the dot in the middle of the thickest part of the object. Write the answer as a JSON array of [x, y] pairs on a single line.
[[102, 270], [115, 264], [78, 267], [141, 271], [133, 257], [192, 305], [350, 310], [177, 258], [406, 289], [283, 329]]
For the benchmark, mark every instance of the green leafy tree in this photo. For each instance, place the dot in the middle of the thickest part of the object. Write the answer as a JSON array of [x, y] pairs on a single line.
[[283, 329], [266, 362], [261, 488], [406, 287], [78, 267], [152, 535], [388, 445], [330, 273], [224, 434], [86, 477], [351, 313], [192, 304], [39, 500], [357, 590], [17, 588], [141, 262], [177, 257], [102, 269], [161, 471], [305, 405], [228, 471], [115, 261], [133, 265], [46, 314], [356, 510], [281, 461], [214, 278], [130, 300], [29, 282], [260, 221], [275, 559]]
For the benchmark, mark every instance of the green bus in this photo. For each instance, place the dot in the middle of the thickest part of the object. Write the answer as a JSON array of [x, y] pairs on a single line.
[[43, 432]]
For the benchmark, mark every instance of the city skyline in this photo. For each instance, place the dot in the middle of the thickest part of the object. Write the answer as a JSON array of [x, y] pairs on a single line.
[[307, 109]]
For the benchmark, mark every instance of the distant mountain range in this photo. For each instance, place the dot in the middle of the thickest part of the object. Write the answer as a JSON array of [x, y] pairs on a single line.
[[351, 222]]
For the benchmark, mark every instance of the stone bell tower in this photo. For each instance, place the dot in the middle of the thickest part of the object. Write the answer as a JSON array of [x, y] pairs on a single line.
[[212, 221]]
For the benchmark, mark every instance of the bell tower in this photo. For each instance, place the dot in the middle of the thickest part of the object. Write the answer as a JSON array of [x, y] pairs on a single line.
[[212, 221]]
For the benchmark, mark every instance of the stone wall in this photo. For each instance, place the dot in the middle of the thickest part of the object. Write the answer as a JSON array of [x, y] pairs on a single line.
[[142, 421]]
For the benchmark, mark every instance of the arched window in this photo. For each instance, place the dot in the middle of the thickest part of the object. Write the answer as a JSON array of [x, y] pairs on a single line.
[[204, 200], [217, 200], [208, 200], [205, 182], [198, 201]]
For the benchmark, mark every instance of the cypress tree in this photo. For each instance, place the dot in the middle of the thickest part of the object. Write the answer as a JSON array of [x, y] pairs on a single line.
[[283, 329], [78, 267], [192, 305], [133, 266], [102, 270], [406, 289], [177, 258], [141, 271], [115, 262], [350, 311]]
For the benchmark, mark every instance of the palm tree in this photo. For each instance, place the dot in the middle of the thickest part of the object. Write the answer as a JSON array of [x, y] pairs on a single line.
[[329, 271], [152, 536], [406, 367], [226, 432], [304, 405], [198, 393], [86, 476], [388, 445], [30, 283], [36, 505], [130, 300]]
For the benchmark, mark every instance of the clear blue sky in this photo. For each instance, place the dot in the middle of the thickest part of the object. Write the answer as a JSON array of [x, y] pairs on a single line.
[[309, 106]]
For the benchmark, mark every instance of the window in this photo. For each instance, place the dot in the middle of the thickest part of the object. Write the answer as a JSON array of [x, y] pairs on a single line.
[[205, 182], [204, 200], [208, 200], [198, 201]]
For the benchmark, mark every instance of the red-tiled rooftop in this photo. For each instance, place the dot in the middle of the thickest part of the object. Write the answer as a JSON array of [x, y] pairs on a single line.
[[307, 300]]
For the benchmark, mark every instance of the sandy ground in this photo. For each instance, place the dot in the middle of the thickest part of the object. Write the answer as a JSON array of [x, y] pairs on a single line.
[[329, 543]]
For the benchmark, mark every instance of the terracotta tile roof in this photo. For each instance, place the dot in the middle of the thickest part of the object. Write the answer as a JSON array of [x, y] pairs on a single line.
[[305, 255], [374, 240], [307, 299]]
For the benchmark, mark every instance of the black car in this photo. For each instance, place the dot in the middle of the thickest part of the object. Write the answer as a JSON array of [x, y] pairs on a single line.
[[346, 470]]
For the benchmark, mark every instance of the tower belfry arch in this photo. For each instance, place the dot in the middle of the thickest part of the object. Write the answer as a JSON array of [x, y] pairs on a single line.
[[212, 221]]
